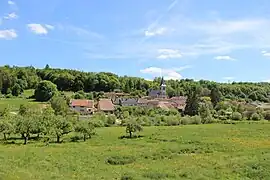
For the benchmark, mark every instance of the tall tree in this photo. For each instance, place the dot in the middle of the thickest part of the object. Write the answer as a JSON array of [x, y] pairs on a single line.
[[45, 91], [215, 96]]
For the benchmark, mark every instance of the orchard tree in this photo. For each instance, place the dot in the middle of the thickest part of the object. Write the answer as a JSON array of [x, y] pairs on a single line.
[[45, 91], [24, 125], [6, 126], [59, 105], [86, 128], [132, 127], [60, 127]]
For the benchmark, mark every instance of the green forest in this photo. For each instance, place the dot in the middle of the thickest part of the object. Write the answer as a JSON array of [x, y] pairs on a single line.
[[14, 80]]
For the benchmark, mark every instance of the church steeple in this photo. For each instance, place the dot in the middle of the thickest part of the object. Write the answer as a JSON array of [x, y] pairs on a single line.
[[162, 88]]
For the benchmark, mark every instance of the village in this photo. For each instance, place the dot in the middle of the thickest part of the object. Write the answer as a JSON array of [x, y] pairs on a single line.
[[155, 99]]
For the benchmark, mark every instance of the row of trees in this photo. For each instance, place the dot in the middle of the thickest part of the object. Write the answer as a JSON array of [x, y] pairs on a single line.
[[16, 79], [31, 122]]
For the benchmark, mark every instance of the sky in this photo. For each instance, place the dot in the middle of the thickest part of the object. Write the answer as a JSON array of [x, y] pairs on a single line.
[[224, 40]]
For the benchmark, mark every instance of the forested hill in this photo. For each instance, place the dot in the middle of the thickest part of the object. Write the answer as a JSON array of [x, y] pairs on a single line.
[[72, 80]]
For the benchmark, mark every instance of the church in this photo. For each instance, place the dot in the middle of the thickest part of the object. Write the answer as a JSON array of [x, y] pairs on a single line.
[[161, 93]]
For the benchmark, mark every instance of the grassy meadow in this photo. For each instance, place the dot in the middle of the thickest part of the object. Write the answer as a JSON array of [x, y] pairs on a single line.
[[214, 151], [15, 102]]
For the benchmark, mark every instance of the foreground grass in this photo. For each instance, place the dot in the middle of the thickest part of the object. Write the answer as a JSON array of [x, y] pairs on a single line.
[[240, 151]]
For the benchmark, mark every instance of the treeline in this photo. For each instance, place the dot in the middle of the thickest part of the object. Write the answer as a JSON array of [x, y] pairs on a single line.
[[14, 80]]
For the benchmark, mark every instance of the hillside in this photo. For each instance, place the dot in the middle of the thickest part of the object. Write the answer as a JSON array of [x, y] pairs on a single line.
[[24, 78]]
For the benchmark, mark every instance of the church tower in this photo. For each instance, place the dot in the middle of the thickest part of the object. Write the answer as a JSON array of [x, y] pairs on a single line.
[[162, 88]]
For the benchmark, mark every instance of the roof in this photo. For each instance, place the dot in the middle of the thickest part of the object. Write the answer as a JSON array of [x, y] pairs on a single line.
[[105, 105], [142, 101], [154, 93], [82, 102]]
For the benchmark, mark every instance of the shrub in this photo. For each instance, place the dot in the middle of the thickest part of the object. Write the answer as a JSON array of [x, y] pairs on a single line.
[[9, 96], [98, 123], [157, 175], [111, 119], [185, 120], [196, 120], [120, 160], [266, 115], [172, 121], [127, 176], [255, 117], [236, 116]]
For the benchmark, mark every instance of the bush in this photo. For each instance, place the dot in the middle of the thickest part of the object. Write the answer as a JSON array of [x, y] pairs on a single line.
[[196, 120], [111, 119], [236, 116], [127, 176], [172, 121], [98, 123], [120, 160], [185, 120], [255, 117], [157, 175], [266, 115], [9, 96]]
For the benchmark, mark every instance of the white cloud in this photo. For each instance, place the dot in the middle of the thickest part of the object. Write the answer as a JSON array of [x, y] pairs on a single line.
[[228, 78], [11, 2], [225, 58], [155, 32], [169, 54], [265, 53], [11, 16], [172, 73], [49, 26], [39, 28], [8, 34]]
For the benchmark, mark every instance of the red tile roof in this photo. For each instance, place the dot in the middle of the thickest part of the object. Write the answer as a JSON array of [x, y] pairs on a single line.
[[105, 105], [83, 103]]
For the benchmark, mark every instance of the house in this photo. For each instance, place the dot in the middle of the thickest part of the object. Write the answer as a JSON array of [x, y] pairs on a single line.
[[142, 102], [126, 101], [83, 106], [105, 105], [179, 102]]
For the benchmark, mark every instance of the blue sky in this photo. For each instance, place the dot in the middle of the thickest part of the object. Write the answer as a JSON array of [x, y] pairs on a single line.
[[200, 39]]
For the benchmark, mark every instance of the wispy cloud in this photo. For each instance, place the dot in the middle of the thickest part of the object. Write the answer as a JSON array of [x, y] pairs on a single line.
[[229, 78], [169, 54], [11, 16], [79, 31], [49, 26], [11, 2], [224, 58], [171, 73], [8, 34], [39, 28], [265, 53], [155, 32]]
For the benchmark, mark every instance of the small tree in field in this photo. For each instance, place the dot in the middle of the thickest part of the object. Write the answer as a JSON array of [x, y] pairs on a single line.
[[60, 127], [132, 126], [24, 126], [6, 126], [86, 128]]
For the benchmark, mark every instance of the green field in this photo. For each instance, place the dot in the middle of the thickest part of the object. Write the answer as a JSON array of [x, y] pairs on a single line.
[[215, 151]]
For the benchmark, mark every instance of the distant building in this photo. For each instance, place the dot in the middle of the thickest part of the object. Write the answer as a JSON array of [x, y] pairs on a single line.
[[105, 105], [161, 93], [83, 106], [126, 101]]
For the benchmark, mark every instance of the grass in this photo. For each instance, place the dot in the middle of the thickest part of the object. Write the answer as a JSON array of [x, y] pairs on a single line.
[[215, 151], [15, 102]]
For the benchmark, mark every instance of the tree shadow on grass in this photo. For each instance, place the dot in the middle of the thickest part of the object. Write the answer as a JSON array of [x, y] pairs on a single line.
[[132, 137]]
